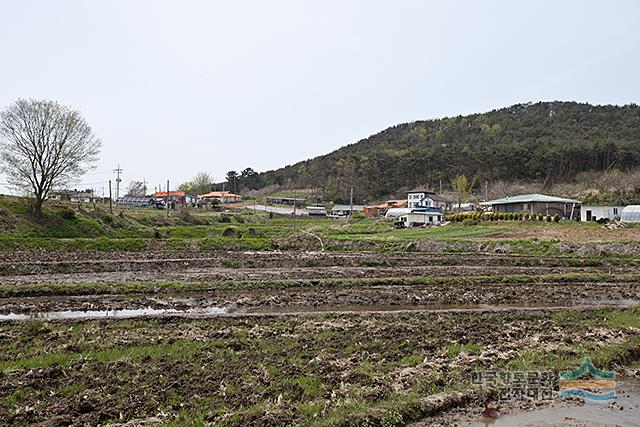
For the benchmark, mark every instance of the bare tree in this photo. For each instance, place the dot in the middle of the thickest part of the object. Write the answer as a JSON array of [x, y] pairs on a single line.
[[44, 145], [136, 189]]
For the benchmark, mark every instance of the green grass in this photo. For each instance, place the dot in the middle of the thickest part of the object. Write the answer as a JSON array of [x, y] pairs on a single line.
[[181, 350]]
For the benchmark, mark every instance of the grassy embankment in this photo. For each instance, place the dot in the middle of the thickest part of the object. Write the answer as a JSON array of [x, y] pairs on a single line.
[[67, 227]]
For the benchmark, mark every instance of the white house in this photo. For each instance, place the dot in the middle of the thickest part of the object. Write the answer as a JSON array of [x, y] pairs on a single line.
[[417, 218], [421, 198], [596, 212]]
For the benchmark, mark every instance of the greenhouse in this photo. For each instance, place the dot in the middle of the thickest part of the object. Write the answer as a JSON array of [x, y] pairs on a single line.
[[631, 213]]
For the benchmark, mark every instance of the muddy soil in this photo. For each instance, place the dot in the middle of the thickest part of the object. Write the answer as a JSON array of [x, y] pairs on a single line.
[[344, 298], [218, 367], [187, 273], [262, 348], [30, 263]]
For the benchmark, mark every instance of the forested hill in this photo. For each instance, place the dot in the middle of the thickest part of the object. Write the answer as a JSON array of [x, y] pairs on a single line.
[[549, 141]]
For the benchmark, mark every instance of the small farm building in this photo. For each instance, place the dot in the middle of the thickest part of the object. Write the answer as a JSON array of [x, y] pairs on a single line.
[[598, 212], [536, 204], [419, 218], [221, 196], [316, 211]]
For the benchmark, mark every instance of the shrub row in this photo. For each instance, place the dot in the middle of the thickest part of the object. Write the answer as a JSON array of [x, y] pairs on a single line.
[[459, 217]]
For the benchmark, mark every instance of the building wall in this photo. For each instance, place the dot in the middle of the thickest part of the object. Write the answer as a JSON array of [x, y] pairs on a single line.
[[598, 212], [422, 218], [413, 199]]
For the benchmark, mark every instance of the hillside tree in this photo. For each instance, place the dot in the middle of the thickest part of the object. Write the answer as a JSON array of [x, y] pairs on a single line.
[[462, 187], [44, 145], [250, 179], [232, 181]]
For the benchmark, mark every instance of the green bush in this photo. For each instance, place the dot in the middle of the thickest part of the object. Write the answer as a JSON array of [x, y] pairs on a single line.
[[556, 218], [526, 216], [548, 218], [68, 214], [229, 232], [540, 217]]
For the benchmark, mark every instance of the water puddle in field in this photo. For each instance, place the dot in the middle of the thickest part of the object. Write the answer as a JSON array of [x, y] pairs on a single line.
[[426, 308], [261, 310], [112, 314], [624, 410]]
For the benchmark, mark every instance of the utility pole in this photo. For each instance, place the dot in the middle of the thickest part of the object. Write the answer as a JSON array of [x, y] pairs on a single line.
[[440, 186], [118, 171], [110, 200], [144, 186], [486, 190], [294, 212], [351, 203], [166, 198]]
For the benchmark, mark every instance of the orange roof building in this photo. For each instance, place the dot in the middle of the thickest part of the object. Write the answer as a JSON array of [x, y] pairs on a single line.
[[222, 196], [169, 194]]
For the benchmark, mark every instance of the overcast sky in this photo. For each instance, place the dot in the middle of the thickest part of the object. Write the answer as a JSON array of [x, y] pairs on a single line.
[[177, 87]]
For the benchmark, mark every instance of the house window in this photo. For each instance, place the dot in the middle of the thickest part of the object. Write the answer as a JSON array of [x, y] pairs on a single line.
[[615, 211], [525, 207]]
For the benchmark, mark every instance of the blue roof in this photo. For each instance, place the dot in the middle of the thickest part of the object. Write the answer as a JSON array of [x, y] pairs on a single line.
[[426, 210]]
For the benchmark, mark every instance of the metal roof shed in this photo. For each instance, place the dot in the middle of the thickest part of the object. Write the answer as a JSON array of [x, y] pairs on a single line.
[[536, 204]]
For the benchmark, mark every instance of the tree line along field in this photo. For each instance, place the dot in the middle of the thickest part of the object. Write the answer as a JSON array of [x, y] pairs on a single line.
[[248, 323]]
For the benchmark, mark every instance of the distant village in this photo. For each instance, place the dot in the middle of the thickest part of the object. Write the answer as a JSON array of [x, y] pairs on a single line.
[[421, 207]]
